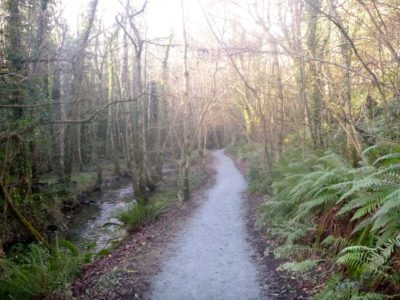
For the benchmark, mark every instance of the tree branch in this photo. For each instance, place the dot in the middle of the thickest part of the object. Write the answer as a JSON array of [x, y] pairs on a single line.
[[39, 105], [95, 113]]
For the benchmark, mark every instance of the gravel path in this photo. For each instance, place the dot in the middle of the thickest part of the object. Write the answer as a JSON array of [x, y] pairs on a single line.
[[213, 258]]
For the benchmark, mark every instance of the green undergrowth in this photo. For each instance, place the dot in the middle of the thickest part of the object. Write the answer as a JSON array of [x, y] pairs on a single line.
[[31, 271], [139, 215], [81, 182], [46, 203], [35, 272], [85, 181], [327, 214], [256, 173]]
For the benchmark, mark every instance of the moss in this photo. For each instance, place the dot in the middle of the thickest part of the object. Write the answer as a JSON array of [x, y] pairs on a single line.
[[85, 181]]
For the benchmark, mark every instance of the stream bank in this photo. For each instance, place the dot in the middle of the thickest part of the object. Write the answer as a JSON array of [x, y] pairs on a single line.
[[95, 225], [126, 271]]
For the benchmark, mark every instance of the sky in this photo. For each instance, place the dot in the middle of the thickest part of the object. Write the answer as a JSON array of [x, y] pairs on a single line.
[[161, 15], [165, 16]]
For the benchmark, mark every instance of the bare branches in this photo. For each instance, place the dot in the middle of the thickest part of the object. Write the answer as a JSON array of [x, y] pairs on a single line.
[[136, 40], [338, 23], [140, 11], [224, 47], [44, 104], [96, 112], [4, 137]]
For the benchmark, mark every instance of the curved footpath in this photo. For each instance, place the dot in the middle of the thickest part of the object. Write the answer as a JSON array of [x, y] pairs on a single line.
[[213, 258]]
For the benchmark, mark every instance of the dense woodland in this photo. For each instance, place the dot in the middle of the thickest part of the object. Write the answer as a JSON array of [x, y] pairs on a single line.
[[306, 92]]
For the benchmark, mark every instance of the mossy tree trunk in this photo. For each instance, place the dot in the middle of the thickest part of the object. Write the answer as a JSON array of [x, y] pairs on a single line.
[[22, 219]]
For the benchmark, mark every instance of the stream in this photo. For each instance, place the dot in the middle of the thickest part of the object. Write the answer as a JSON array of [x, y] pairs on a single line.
[[95, 225]]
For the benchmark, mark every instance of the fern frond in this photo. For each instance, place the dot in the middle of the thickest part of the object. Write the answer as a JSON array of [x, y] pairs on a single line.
[[370, 149], [362, 200], [391, 202], [366, 209], [338, 242], [363, 224], [390, 157], [300, 267], [317, 202], [363, 184]]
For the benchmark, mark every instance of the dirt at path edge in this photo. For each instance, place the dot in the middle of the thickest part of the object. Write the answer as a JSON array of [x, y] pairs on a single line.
[[126, 272]]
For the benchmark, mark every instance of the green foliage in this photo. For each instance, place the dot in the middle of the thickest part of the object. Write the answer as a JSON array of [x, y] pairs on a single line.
[[258, 179], [196, 177], [315, 193], [85, 181], [371, 262], [139, 215], [337, 287], [39, 272], [251, 155], [300, 267]]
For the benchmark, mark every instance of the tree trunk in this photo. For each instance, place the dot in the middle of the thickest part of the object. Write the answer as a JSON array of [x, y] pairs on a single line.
[[301, 70], [313, 8], [281, 106], [96, 158], [186, 98], [21, 218], [354, 148]]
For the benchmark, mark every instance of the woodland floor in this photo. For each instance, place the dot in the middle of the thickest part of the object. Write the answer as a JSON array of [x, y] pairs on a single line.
[[279, 285], [206, 248]]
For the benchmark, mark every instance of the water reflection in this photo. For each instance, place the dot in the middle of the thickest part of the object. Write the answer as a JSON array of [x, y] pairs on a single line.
[[96, 222]]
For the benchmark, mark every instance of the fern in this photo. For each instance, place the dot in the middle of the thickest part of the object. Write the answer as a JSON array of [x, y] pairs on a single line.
[[369, 197], [363, 199], [390, 203], [40, 272], [300, 267], [336, 243], [368, 183], [369, 260], [388, 158], [340, 288]]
